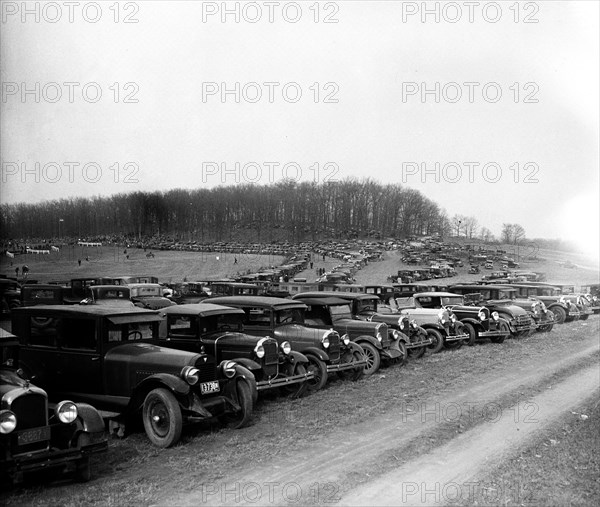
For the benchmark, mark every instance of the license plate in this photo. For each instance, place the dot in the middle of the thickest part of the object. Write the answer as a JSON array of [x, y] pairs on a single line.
[[209, 387], [35, 435]]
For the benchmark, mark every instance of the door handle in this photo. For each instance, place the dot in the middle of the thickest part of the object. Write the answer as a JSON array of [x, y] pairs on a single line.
[[95, 359]]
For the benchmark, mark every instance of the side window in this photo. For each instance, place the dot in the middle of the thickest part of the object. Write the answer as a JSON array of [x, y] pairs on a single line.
[[43, 331], [78, 334]]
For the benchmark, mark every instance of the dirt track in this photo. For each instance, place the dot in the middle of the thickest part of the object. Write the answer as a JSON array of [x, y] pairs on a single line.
[[497, 415]]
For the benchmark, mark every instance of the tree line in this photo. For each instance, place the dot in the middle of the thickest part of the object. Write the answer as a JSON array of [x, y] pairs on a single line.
[[297, 211]]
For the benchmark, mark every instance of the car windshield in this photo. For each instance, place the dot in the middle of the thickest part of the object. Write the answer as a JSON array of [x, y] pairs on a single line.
[[145, 291], [451, 300], [289, 316], [220, 323]]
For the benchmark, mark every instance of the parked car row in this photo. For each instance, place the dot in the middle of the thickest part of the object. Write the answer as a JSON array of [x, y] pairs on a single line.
[[168, 367]]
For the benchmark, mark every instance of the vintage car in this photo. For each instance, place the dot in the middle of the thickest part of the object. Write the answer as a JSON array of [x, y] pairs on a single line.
[[520, 321], [401, 335], [283, 319], [383, 292], [35, 435], [337, 313], [185, 293], [76, 290], [593, 301], [233, 289], [10, 295], [562, 309], [41, 294], [218, 330], [108, 295], [478, 322], [581, 302], [473, 270], [110, 357], [149, 296]]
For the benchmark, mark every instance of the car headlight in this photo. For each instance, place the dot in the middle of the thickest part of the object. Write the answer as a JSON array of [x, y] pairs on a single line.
[[190, 375], [403, 322], [378, 334], [453, 318], [286, 348], [8, 421], [346, 339], [259, 350], [395, 334], [443, 317], [66, 411], [325, 340], [228, 368], [481, 315], [495, 316], [413, 324]]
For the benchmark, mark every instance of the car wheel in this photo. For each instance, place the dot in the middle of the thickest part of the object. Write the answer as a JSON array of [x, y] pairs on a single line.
[[505, 328], [560, 315], [437, 343], [83, 470], [242, 417], [356, 373], [417, 352], [162, 418], [472, 332], [296, 390], [584, 316], [318, 368], [373, 359], [402, 359]]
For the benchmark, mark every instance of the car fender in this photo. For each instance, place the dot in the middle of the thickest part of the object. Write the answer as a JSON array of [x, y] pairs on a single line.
[[318, 353], [89, 419], [297, 357], [249, 364], [355, 347], [242, 374], [402, 338], [474, 322], [370, 339], [175, 384]]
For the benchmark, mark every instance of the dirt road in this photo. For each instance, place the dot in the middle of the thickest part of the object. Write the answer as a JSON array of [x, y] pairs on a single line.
[[363, 464]]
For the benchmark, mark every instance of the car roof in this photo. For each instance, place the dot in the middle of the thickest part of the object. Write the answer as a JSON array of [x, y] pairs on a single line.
[[201, 309], [438, 294], [74, 310], [266, 301], [329, 301], [334, 294], [235, 284]]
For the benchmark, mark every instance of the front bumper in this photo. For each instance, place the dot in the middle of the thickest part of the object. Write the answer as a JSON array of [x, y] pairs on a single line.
[[455, 337], [346, 366], [418, 340], [284, 381]]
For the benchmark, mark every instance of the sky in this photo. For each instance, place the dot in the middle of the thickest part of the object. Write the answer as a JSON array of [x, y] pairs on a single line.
[[491, 109]]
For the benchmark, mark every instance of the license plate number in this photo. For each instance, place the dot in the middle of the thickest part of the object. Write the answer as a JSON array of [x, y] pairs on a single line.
[[35, 435], [209, 387]]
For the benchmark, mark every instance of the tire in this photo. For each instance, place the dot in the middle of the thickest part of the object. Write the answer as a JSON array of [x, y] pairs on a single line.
[[560, 315], [373, 359], [356, 373], [502, 326], [83, 470], [472, 332], [244, 399], [296, 390], [162, 417], [320, 371], [438, 341], [584, 316], [417, 352]]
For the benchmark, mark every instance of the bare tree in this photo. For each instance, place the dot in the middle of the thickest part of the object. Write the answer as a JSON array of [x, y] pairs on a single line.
[[507, 233]]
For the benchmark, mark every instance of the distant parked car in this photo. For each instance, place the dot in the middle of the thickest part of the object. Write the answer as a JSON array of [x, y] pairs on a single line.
[[149, 295], [36, 435], [110, 357]]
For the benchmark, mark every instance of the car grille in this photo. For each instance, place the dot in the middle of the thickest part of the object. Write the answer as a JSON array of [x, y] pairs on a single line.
[[271, 359], [31, 411], [523, 320], [334, 347]]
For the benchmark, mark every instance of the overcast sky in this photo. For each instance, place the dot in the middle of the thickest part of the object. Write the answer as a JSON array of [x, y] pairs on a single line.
[[529, 155]]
